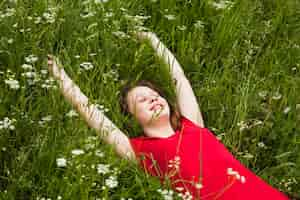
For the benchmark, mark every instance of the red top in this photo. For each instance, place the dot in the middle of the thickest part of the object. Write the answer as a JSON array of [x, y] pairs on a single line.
[[195, 162]]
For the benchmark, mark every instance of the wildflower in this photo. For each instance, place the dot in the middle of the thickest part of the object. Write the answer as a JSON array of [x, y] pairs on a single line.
[[179, 189], [13, 84], [120, 34], [49, 17], [170, 17], [140, 28], [182, 27], [61, 162], [123, 9], [222, 5], [174, 163], [43, 71], [47, 118], [29, 74], [77, 152], [108, 14], [248, 155], [111, 182], [137, 18], [199, 24], [100, 1], [99, 153], [10, 41], [198, 186], [8, 13], [27, 67], [48, 86], [167, 194], [102, 168], [89, 14], [261, 145], [220, 136], [31, 58], [91, 138], [287, 110], [59, 197], [72, 113], [7, 123], [86, 65], [236, 174], [243, 179], [38, 20], [257, 122], [243, 125], [100, 107], [186, 196], [89, 146], [277, 96], [112, 74], [263, 94], [49, 83]]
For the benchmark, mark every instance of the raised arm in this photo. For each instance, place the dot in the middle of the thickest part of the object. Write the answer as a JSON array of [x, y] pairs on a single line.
[[93, 116], [186, 98]]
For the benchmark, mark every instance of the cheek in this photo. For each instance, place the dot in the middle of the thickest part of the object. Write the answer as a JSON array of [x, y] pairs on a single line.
[[140, 112]]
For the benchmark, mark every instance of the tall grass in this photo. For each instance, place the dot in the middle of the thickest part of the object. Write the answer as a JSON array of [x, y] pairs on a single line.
[[243, 61]]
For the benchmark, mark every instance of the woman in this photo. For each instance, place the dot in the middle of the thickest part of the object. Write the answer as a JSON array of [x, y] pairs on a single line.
[[175, 147]]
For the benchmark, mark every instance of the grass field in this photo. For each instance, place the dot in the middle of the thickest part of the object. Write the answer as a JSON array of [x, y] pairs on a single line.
[[242, 58]]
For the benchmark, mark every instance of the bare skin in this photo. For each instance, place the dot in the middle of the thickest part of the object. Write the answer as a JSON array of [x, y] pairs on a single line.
[[150, 109]]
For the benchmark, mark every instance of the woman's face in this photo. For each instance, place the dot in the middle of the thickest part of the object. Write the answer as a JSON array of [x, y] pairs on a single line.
[[147, 105]]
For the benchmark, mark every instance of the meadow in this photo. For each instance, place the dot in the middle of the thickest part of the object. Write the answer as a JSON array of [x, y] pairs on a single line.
[[242, 58]]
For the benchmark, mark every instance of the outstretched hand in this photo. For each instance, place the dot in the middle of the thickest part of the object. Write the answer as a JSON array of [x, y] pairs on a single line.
[[145, 35], [53, 66]]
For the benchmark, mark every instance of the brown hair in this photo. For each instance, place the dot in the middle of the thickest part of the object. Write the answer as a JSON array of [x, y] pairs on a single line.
[[174, 113]]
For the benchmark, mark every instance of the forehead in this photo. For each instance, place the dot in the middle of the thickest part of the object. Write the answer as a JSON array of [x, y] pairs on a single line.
[[140, 91]]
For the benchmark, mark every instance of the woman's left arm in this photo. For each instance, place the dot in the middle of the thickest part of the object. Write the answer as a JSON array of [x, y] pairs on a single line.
[[186, 98]]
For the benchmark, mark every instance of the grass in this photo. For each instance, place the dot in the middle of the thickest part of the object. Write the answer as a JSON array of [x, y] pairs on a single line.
[[243, 62]]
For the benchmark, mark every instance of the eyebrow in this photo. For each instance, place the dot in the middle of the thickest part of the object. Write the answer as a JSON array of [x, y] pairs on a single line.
[[143, 94]]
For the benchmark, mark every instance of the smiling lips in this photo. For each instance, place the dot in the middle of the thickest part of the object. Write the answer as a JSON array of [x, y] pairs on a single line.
[[155, 106]]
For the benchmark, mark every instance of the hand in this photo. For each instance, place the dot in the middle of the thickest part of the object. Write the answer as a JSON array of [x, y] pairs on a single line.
[[145, 35], [53, 67]]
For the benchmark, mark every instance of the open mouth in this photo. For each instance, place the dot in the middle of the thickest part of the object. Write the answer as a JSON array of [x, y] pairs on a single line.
[[156, 107]]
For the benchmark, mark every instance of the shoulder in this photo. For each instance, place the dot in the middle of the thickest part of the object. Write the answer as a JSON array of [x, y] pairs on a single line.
[[188, 126], [187, 122]]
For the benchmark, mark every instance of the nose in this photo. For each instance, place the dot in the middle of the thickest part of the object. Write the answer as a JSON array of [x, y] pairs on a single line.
[[154, 98]]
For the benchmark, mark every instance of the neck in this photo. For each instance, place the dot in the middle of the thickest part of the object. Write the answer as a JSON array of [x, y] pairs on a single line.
[[159, 130]]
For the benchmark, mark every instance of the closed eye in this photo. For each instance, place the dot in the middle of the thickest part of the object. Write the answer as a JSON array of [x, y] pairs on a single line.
[[142, 99]]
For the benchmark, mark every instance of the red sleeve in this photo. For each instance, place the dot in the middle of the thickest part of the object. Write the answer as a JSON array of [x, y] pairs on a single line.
[[136, 145]]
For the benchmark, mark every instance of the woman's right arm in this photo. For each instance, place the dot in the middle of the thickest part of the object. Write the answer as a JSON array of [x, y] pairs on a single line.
[[93, 116], [186, 98]]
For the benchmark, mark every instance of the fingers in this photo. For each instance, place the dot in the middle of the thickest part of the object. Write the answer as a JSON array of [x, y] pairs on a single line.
[[144, 35], [52, 65], [50, 60]]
